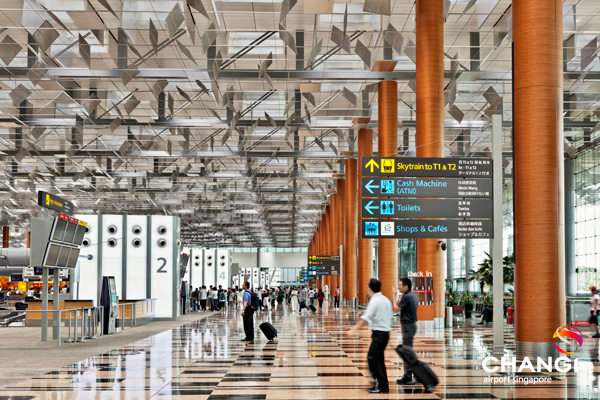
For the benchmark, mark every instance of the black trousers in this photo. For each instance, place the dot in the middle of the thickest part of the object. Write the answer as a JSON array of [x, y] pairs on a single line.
[[336, 302], [203, 304], [248, 323], [320, 303], [376, 358], [409, 330]]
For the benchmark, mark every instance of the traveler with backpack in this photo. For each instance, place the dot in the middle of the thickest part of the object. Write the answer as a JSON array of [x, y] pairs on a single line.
[[222, 298], [321, 297], [250, 306]]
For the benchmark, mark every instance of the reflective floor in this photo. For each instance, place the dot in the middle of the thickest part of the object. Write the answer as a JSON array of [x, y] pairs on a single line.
[[311, 359]]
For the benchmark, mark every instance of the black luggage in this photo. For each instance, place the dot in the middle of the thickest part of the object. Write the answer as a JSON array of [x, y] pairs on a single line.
[[420, 370], [312, 308], [268, 330]]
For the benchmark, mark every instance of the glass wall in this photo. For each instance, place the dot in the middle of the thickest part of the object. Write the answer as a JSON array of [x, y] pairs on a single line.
[[407, 256], [587, 219]]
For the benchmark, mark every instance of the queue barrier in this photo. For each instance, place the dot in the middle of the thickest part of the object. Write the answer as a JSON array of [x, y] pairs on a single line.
[[132, 315]]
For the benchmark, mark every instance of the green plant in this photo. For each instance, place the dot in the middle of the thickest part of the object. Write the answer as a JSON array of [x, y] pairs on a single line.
[[488, 300], [467, 298], [454, 299], [485, 273]]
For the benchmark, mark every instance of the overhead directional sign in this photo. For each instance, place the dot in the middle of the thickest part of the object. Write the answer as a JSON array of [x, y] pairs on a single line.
[[426, 187], [55, 203], [323, 265], [427, 167], [427, 208], [427, 229]]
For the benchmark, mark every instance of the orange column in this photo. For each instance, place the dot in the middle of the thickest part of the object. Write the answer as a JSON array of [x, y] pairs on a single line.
[[539, 219], [328, 250], [341, 190], [5, 235], [430, 124], [335, 236], [28, 240], [388, 147], [365, 246], [320, 247], [351, 291]]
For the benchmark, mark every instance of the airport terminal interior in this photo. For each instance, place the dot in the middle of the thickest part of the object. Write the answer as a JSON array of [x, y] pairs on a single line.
[[299, 199]]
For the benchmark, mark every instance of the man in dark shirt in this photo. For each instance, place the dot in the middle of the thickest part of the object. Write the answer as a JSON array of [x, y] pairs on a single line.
[[248, 314], [408, 318]]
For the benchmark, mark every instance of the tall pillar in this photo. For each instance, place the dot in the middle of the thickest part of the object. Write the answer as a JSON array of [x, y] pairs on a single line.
[[388, 147], [365, 246], [570, 263], [5, 235], [320, 230], [28, 243], [329, 240], [430, 127], [538, 174], [449, 261], [334, 235], [341, 215], [469, 258], [351, 229]]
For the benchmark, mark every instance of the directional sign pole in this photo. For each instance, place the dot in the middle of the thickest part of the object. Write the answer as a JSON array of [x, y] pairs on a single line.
[[341, 272], [498, 297]]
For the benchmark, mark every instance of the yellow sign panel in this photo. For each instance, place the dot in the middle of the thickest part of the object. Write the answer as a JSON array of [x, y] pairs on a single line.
[[388, 166], [82, 223]]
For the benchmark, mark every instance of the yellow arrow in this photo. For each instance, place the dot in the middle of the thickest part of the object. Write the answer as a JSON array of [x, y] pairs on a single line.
[[372, 164]]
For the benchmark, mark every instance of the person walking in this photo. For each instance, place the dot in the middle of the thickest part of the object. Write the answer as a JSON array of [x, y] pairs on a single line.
[[203, 295], [336, 298], [379, 317], [194, 300], [311, 296], [303, 296], [265, 298], [321, 297], [222, 298], [240, 299], [248, 314], [595, 306], [407, 306], [215, 298], [294, 297], [231, 299]]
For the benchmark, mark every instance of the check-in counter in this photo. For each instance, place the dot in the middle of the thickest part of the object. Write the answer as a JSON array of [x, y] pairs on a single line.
[[144, 311], [35, 318]]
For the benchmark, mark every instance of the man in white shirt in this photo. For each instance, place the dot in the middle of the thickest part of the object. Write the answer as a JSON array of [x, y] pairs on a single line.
[[379, 317], [203, 295], [595, 306]]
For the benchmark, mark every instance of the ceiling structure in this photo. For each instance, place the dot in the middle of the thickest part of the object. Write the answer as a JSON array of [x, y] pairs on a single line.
[[237, 115]]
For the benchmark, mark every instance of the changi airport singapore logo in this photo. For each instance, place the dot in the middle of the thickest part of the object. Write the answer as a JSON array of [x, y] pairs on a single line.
[[563, 333], [561, 364]]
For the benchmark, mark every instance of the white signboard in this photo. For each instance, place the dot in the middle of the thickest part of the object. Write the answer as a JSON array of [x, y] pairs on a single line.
[[161, 248], [222, 268], [209, 267], [255, 278]]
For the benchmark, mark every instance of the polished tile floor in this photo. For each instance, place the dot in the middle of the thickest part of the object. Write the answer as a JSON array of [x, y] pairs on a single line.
[[311, 359]]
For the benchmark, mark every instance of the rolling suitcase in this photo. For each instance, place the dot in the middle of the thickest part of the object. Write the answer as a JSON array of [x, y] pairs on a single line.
[[420, 370], [268, 330], [312, 308]]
